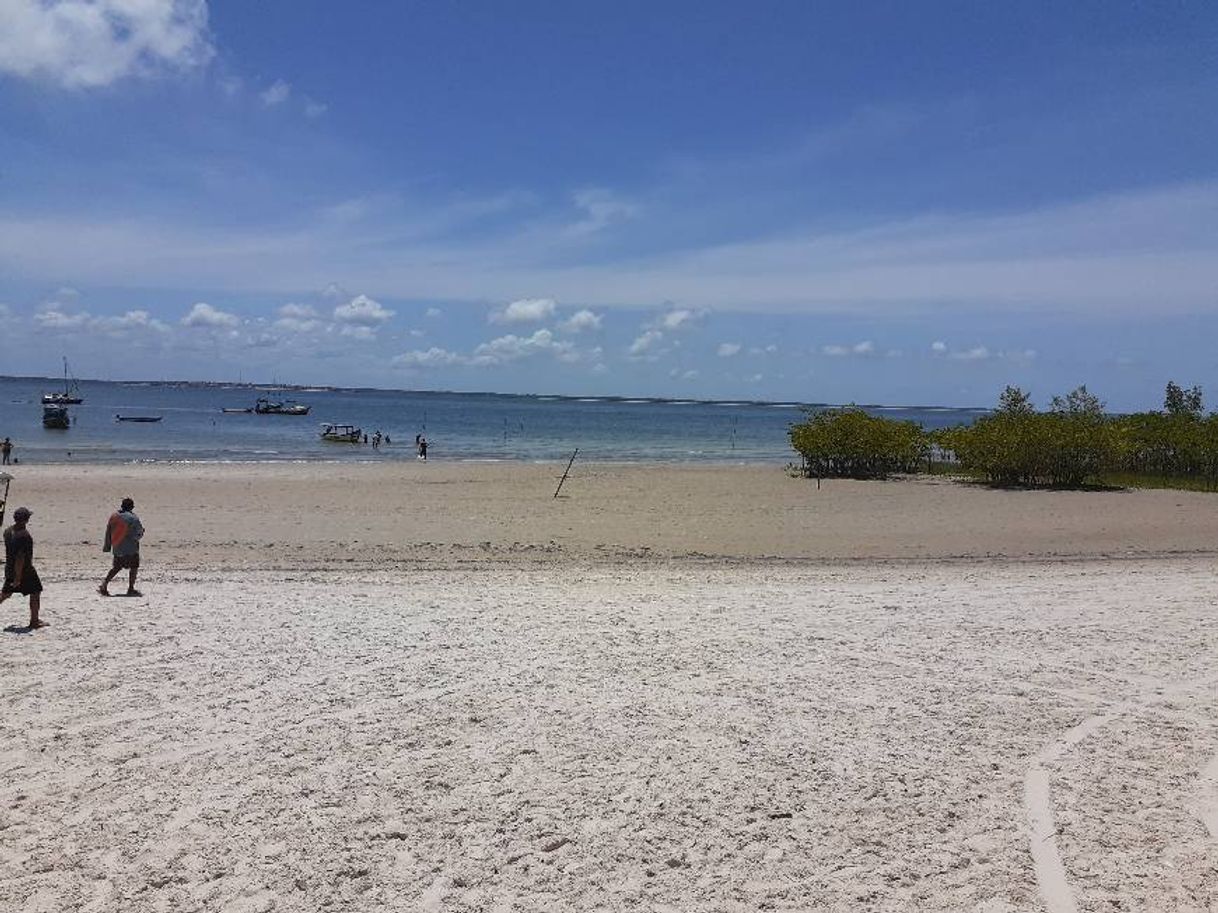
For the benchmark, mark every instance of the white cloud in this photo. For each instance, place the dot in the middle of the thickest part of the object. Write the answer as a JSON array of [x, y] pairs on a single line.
[[276, 93], [728, 349], [55, 319], [204, 315], [525, 310], [132, 320], [601, 208], [89, 43], [362, 311], [513, 348], [433, 313], [581, 321], [298, 318], [315, 108], [767, 350], [358, 331], [866, 347], [977, 353], [755, 378], [677, 318], [938, 347], [429, 358], [645, 343]]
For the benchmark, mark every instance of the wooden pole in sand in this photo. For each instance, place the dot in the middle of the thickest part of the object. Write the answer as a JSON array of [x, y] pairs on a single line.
[[565, 471]]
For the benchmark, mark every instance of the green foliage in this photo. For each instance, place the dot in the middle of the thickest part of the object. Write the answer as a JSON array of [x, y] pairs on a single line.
[[1014, 401], [849, 443], [1068, 447], [1074, 444], [1178, 401]]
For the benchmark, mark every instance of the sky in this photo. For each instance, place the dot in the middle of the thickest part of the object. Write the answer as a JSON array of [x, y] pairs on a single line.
[[874, 202]]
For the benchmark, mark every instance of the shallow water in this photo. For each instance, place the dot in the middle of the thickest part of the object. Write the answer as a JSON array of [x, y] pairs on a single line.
[[458, 426]]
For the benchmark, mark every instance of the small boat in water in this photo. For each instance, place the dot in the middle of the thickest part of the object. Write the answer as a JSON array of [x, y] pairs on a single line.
[[270, 407], [245, 411], [138, 418], [55, 416], [341, 434], [69, 396]]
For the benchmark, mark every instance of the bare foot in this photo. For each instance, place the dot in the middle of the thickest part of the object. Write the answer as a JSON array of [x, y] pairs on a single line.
[[37, 624], [102, 589], [134, 593]]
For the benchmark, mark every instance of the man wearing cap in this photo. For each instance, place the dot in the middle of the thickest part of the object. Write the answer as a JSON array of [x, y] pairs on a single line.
[[123, 533], [19, 574]]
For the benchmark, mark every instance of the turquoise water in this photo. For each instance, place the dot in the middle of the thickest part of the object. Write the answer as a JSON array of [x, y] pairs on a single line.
[[458, 426]]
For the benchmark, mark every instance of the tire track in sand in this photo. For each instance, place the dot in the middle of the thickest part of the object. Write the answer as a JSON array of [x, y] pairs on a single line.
[[1051, 877]]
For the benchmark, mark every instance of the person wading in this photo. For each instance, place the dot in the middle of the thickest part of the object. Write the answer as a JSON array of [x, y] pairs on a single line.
[[123, 533], [19, 573]]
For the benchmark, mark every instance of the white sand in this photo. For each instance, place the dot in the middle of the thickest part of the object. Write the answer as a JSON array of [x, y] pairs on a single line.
[[576, 737], [367, 688]]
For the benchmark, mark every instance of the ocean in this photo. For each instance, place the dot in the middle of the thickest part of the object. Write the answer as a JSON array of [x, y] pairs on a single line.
[[458, 426]]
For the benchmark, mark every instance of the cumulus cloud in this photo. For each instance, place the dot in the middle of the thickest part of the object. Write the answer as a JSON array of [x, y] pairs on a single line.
[[432, 313], [763, 350], [728, 349], [513, 348], [90, 43], [204, 315], [645, 343], [938, 347], [525, 310], [315, 108], [298, 318], [362, 311], [434, 357], [276, 93], [581, 321], [55, 319], [677, 319]]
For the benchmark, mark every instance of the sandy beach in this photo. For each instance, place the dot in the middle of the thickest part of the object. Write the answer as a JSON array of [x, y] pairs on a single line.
[[437, 687]]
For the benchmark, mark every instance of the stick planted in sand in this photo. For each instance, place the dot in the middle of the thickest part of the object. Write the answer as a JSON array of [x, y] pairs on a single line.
[[565, 471]]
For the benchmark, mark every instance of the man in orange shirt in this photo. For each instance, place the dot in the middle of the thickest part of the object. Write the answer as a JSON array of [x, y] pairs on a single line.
[[123, 533]]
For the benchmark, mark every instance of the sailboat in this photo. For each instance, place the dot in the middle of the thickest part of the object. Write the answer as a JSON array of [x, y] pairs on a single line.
[[71, 391]]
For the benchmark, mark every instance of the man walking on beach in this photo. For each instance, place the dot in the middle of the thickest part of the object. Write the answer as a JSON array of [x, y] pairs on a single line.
[[19, 574], [6, 451], [123, 533]]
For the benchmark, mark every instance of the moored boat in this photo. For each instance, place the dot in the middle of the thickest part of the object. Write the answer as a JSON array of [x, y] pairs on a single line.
[[69, 396], [138, 418], [55, 416], [271, 407], [341, 434]]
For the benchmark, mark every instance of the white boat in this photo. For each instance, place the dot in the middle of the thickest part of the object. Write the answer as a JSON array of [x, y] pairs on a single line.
[[341, 434], [266, 406], [69, 396]]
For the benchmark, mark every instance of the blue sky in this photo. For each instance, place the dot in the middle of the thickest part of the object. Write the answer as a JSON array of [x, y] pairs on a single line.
[[878, 202]]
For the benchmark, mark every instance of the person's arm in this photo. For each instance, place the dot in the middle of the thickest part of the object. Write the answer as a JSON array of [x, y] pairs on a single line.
[[20, 560], [136, 530]]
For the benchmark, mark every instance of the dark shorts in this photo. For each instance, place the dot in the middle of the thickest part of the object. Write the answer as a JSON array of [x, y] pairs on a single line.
[[30, 584], [123, 562]]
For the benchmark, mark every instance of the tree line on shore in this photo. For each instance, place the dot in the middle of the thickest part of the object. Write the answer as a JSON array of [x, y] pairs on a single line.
[[1074, 444]]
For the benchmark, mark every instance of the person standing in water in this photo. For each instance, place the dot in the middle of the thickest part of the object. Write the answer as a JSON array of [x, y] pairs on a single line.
[[123, 533], [19, 573], [6, 451]]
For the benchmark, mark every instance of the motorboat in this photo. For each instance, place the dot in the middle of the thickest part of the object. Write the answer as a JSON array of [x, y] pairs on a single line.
[[69, 396], [246, 411], [341, 434], [55, 416], [138, 418], [266, 406]]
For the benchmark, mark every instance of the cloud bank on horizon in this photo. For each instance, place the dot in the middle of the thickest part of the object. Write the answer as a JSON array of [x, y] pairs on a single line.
[[921, 205]]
